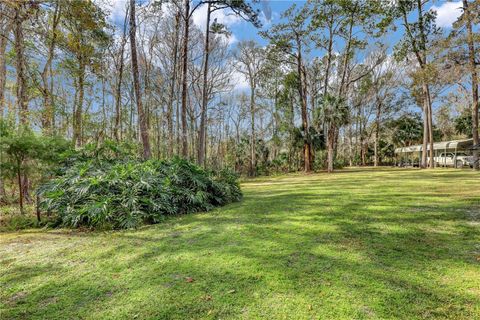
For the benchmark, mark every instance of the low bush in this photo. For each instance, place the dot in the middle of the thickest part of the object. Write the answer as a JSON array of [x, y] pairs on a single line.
[[11, 219], [128, 192], [18, 221]]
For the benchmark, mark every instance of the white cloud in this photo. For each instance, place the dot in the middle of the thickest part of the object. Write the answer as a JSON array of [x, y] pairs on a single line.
[[115, 9], [240, 81], [232, 39], [118, 11], [448, 13], [267, 18], [226, 17]]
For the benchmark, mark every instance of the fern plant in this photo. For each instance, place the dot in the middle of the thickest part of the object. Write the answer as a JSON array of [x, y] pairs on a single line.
[[126, 192]]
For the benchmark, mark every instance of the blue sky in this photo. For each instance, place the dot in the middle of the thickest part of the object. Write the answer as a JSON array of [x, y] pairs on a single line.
[[270, 13], [447, 13]]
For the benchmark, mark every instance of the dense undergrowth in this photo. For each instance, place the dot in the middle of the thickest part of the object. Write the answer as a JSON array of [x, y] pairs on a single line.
[[108, 189]]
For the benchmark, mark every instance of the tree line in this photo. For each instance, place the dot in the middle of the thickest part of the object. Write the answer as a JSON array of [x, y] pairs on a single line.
[[325, 87]]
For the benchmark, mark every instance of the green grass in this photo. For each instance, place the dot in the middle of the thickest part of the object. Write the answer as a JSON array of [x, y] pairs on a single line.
[[358, 244]]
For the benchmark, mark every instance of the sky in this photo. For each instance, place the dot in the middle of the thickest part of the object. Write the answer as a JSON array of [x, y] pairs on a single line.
[[270, 13], [447, 13]]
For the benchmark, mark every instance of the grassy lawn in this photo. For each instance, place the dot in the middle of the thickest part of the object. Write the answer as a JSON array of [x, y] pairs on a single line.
[[359, 244]]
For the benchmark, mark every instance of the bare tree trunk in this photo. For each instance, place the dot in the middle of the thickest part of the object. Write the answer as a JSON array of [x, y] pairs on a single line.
[[142, 124], [362, 142], [172, 87], [48, 104], [420, 51], [6, 27], [77, 121], [427, 146], [117, 130], [329, 61], [350, 144], [253, 153], [425, 131], [3, 192], [430, 127], [20, 66], [377, 133], [184, 79], [347, 51], [37, 208], [326, 128], [303, 103], [291, 153], [422, 57], [177, 127], [362, 151], [20, 188], [118, 101], [330, 148], [203, 113], [103, 130], [474, 75]]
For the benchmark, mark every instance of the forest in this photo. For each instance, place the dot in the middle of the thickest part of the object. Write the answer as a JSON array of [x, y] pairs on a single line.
[[326, 88], [239, 159]]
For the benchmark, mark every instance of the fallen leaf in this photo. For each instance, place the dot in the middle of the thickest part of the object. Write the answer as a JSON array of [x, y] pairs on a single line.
[[207, 297], [189, 279]]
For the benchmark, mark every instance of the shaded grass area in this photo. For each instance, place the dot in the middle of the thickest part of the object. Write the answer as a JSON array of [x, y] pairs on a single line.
[[363, 244]]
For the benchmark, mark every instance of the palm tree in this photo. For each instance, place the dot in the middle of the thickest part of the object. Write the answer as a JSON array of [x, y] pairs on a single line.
[[335, 113]]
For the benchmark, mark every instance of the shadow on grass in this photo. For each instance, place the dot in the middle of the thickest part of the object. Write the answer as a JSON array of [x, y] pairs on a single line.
[[323, 247]]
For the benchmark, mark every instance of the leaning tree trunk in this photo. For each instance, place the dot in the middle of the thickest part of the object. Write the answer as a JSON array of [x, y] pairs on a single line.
[[142, 124], [474, 75], [201, 155], [184, 79]]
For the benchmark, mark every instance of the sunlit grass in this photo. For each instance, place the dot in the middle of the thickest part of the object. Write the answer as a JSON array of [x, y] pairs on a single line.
[[362, 244]]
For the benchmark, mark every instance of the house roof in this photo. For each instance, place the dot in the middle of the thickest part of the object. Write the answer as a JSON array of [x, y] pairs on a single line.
[[445, 145]]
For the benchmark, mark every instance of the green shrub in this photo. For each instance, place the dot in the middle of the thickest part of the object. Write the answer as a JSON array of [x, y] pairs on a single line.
[[12, 220], [127, 192], [18, 222]]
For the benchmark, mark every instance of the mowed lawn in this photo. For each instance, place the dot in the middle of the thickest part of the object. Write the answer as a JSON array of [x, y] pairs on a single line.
[[358, 244]]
